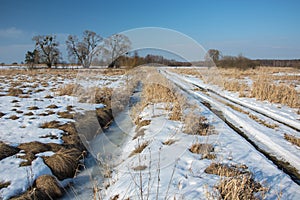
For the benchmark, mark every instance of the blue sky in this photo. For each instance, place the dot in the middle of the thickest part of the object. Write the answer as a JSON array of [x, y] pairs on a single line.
[[256, 29]]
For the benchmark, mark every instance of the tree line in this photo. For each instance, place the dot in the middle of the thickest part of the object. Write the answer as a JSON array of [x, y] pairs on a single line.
[[81, 50], [215, 57]]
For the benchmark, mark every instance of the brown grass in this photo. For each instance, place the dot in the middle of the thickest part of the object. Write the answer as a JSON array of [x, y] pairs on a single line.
[[275, 93], [2, 114], [240, 187], [69, 89], [140, 168], [29, 114], [52, 106], [14, 92], [52, 124], [204, 149], [169, 142], [64, 163], [226, 170], [4, 185], [49, 185], [48, 96], [139, 148], [66, 114], [6, 150], [197, 125], [14, 117], [33, 108], [292, 139]]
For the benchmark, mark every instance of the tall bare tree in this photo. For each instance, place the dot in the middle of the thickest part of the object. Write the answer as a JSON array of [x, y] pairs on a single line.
[[115, 46], [47, 48], [83, 51]]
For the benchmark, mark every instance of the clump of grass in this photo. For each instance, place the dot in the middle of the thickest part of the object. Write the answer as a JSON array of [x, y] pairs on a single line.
[[239, 187], [33, 108], [4, 184], [29, 113], [51, 124], [204, 149], [197, 125], [14, 117], [64, 163], [65, 114], [48, 96], [6, 150], [292, 139], [139, 148], [14, 92], [15, 101], [226, 170], [52, 106], [2, 114], [140, 168], [69, 89], [49, 185], [169, 142]]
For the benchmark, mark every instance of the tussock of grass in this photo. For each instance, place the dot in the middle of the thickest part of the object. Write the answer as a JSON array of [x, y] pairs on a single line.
[[6, 150], [139, 148], [292, 139], [140, 168], [14, 117], [169, 142], [64, 163], [52, 124], [204, 149], [33, 108], [14, 92], [226, 170], [52, 106], [4, 185], [66, 115], [197, 125], [29, 114], [49, 185], [2, 114], [48, 96], [69, 89]]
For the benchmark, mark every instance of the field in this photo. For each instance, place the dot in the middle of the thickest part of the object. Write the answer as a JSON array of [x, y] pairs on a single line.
[[151, 132]]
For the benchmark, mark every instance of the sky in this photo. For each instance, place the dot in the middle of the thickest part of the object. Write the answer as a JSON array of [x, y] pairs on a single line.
[[256, 29]]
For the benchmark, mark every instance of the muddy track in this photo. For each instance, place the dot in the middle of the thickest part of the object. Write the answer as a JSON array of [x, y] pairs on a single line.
[[286, 167]]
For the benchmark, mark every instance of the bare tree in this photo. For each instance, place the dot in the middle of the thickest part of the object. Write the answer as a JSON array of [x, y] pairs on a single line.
[[213, 54], [115, 46], [83, 51], [47, 48]]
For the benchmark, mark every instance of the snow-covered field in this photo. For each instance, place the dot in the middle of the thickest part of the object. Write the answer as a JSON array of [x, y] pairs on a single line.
[[155, 158]]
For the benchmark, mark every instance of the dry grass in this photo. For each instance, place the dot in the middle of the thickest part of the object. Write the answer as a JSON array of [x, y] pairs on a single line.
[[4, 185], [226, 170], [6, 150], [29, 114], [70, 89], [197, 125], [65, 114], [139, 148], [275, 93], [292, 139], [33, 108], [49, 185], [268, 84], [14, 117], [140, 168], [2, 114], [204, 149], [64, 163], [52, 106], [169, 142], [240, 187], [52, 124], [14, 92]]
